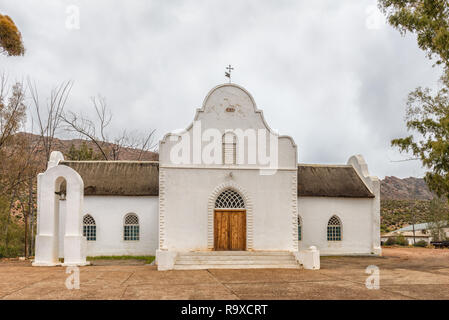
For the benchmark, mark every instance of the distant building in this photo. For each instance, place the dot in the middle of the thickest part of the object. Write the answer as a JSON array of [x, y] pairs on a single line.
[[422, 232]]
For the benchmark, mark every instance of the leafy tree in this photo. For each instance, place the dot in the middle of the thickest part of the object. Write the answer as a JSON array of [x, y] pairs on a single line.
[[82, 153], [428, 19], [438, 218], [427, 113], [10, 37]]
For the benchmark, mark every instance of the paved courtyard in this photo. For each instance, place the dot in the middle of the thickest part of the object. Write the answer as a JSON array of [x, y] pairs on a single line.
[[405, 273]]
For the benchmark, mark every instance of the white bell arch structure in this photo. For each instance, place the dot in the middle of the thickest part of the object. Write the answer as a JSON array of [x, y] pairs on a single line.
[[47, 245]]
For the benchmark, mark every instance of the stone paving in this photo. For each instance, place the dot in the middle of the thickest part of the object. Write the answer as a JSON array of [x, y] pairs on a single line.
[[405, 273]]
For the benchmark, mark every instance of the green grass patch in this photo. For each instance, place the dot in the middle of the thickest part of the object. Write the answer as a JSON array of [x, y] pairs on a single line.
[[147, 259]]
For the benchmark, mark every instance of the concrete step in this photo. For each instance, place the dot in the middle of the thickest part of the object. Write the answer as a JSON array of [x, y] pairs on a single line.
[[236, 253], [227, 262], [234, 266], [235, 260]]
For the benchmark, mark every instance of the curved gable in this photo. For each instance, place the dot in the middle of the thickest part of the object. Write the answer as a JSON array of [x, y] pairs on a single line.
[[231, 107], [229, 102]]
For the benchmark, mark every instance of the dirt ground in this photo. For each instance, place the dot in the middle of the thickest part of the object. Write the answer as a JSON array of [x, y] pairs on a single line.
[[405, 273]]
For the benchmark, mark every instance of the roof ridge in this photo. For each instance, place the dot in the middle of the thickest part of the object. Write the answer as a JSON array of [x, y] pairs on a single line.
[[109, 161], [325, 165]]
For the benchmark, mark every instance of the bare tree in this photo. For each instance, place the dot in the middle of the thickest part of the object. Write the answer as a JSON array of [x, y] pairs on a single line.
[[96, 131], [12, 112], [145, 143], [49, 120]]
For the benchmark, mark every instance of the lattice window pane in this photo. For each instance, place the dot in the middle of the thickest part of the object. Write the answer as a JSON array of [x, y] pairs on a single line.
[[131, 233], [229, 199], [334, 221], [90, 232], [88, 219], [131, 219], [89, 228], [131, 230], [299, 228], [334, 229]]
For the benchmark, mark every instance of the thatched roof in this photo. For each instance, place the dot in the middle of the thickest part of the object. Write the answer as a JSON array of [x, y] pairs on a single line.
[[121, 178], [331, 181], [141, 178]]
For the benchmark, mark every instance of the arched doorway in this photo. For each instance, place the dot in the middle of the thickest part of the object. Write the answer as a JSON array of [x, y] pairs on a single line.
[[229, 222]]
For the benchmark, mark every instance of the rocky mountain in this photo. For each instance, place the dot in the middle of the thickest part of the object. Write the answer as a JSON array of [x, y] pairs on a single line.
[[402, 201], [392, 188], [124, 154]]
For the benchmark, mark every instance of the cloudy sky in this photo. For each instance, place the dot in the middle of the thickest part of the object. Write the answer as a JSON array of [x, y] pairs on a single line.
[[329, 73]]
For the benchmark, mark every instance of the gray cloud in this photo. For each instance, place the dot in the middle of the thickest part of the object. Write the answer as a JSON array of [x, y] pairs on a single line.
[[315, 68]]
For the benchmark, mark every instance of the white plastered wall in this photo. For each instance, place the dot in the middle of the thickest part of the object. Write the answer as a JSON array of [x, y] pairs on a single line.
[[109, 213], [188, 208], [187, 190], [356, 219]]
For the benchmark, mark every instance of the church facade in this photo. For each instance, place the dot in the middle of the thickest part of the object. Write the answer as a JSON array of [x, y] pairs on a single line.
[[227, 184]]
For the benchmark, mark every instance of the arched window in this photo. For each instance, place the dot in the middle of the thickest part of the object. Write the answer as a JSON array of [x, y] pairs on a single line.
[[89, 228], [131, 230], [299, 228], [334, 229], [229, 148], [229, 199]]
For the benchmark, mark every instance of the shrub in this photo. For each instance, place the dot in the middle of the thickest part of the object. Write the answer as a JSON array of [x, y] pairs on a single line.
[[390, 241], [15, 232], [10, 252], [421, 243], [400, 240]]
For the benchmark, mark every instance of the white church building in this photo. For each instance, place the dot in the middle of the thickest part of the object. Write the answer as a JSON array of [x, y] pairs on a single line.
[[227, 192]]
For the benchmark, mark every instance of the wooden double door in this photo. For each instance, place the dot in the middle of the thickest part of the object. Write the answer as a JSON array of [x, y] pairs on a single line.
[[230, 230]]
